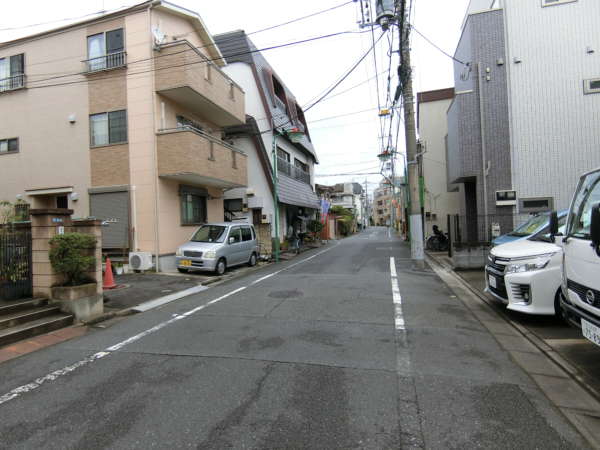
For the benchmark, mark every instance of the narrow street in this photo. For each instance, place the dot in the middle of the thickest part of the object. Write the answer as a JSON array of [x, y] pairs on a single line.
[[321, 352]]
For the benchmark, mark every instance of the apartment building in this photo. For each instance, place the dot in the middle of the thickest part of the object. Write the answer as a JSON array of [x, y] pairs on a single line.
[[522, 125], [439, 198], [120, 117], [272, 111], [382, 205]]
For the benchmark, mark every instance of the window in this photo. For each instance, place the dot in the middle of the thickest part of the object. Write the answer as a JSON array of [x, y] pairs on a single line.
[[233, 159], [591, 86], [280, 98], [108, 128], [300, 165], [184, 122], [62, 202], [210, 233], [208, 72], [105, 50], [9, 145], [231, 90], [283, 155], [246, 234], [234, 205], [193, 208], [556, 2], [588, 194], [12, 72], [236, 234]]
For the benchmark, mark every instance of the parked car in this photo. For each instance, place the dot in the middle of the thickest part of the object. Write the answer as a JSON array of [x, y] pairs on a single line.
[[533, 226], [216, 246], [581, 268], [526, 274]]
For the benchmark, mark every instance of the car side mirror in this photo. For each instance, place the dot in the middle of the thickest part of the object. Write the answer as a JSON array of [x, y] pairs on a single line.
[[595, 228], [231, 240], [553, 228]]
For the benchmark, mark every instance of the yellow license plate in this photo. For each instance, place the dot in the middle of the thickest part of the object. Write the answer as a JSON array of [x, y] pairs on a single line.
[[185, 262]]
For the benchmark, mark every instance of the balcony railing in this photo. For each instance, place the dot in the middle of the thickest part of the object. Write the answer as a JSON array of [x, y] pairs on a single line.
[[106, 62], [12, 83], [292, 171]]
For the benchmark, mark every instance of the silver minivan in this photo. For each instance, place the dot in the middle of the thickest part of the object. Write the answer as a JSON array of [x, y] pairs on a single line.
[[216, 246]]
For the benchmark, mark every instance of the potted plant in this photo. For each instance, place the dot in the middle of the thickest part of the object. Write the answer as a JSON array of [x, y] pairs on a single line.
[[72, 258], [118, 268]]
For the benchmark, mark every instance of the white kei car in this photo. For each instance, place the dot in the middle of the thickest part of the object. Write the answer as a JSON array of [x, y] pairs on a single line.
[[526, 275]]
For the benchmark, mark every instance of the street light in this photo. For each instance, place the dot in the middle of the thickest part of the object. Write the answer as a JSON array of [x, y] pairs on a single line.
[[295, 135]]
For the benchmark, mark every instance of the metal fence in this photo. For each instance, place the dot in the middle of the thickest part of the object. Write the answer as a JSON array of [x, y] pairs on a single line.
[[474, 231], [292, 171], [105, 62], [15, 262], [12, 82]]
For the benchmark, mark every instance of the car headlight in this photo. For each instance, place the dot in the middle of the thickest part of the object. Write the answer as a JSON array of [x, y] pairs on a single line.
[[211, 254], [179, 252], [538, 263]]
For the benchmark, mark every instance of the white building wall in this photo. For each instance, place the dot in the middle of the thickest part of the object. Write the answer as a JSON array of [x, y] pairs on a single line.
[[433, 128], [554, 126]]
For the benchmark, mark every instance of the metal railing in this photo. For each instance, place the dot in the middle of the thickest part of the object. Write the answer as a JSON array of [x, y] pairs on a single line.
[[13, 82], [292, 171], [15, 261], [106, 62]]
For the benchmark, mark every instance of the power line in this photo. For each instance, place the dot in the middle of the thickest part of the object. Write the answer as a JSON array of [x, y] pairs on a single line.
[[346, 174], [351, 88], [345, 76], [207, 60], [300, 18], [437, 47]]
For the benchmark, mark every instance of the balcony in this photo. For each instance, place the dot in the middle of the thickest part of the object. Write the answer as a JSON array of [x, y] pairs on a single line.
[[184, 75], [190, 156], [292, 171], [12, 83], [106, 62]]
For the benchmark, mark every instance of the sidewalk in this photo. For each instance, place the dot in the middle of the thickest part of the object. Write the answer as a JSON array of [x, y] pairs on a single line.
[[563, 364]]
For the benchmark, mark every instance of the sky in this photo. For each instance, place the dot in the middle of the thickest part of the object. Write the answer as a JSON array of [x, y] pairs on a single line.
[[345, 128]]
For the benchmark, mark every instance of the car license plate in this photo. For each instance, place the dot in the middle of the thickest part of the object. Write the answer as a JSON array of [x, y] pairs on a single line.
[[492, 281], [185, 262], [591, 332]]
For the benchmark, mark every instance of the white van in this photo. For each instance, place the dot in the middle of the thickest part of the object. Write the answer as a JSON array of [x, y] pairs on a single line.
[[581, 266], [526, 274]]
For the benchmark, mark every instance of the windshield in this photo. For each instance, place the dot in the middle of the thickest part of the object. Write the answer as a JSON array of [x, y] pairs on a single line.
[[544, 234], [209, 233], [532, 226], [588, 194]]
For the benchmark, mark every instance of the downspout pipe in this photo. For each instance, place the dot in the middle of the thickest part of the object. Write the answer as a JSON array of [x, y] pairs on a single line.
[[484, 162]]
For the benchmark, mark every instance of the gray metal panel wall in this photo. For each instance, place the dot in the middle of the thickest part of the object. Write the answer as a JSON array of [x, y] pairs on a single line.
[[294, 192], [112, 205]]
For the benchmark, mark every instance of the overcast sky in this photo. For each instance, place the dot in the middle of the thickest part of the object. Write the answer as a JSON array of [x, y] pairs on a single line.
[[347, 144]]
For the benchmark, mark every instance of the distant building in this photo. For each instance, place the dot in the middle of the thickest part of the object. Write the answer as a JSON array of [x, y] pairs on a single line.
[[350, 196], [523, 124], [440, 199]]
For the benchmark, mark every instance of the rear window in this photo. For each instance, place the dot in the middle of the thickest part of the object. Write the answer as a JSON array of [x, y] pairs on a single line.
[[246, 234]]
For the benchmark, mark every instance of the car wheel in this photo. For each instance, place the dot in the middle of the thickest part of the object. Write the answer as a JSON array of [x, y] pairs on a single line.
[[180, 270], [252, 261], [557, 308], [221, 267]]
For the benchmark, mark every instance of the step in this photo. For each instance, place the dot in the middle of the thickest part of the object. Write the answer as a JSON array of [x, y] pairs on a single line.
[[27, 315], [10, 307], [34, 328]]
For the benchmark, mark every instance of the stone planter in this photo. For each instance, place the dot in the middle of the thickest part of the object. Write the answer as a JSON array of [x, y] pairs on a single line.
[[84, 301]]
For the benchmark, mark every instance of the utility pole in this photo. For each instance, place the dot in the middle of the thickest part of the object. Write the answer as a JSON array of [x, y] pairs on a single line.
[[405, 75]]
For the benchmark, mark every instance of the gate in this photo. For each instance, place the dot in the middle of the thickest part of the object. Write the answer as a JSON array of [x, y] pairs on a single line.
[[15, 262]]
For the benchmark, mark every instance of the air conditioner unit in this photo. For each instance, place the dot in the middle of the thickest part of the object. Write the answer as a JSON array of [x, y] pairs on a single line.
[[140, 260]]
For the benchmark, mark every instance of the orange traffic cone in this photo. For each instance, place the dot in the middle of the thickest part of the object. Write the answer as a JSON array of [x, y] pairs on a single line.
[[109, 281]]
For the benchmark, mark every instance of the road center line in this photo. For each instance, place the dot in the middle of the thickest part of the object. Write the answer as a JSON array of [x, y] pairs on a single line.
[[17, 392]]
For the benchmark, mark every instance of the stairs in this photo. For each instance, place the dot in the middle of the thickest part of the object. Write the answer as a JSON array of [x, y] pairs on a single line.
[[28, 318]]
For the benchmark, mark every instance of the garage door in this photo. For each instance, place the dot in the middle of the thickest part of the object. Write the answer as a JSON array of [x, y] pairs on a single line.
[[113, 209]]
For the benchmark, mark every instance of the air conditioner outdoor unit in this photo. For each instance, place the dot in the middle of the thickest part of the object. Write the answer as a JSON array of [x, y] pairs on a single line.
[[140, 260]]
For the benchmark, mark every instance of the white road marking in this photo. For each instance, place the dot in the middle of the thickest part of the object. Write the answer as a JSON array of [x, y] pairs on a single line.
[[402, 355], [17, 392], [146, 306]]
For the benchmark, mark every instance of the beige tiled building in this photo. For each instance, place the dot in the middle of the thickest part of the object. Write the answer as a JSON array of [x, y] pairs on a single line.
[[121, 118]]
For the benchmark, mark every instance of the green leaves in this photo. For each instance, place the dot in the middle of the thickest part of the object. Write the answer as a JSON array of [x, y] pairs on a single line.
[[70, 256]]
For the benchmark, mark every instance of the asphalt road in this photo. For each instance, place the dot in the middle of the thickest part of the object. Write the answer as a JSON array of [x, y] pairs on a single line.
[[321, 352]]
